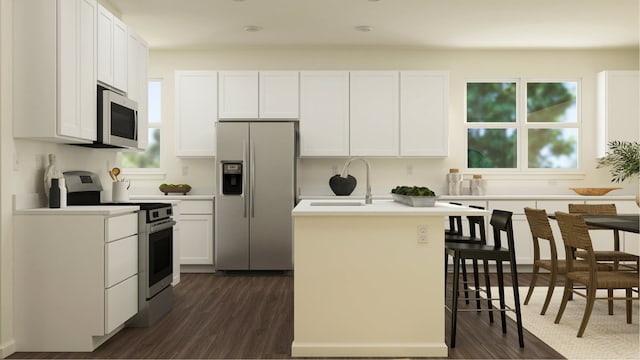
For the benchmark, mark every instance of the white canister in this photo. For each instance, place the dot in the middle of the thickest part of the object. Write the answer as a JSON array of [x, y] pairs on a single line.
[[477, 185], [120, 191], [454, 181]]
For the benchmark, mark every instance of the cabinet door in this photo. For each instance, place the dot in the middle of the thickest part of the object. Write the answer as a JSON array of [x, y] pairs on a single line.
[[618, 107], [105, 45], [137, 63], [324, 113], [77, 69], [120, 49], [374, 113], [238, 95], [196, 239], [424, 103], [196, 109], [279, 95]]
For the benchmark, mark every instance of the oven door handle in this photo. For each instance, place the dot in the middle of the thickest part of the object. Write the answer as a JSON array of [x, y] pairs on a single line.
[[161, 226]]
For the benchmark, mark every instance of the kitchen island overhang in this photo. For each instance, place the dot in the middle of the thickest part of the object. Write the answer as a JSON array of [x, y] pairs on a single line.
[[368, 281]]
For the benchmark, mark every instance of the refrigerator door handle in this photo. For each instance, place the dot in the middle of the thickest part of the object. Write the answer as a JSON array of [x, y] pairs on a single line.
[[244, 180], [252, 180]]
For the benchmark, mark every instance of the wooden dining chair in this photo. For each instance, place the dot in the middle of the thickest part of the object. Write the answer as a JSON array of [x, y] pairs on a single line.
[[541, 233], [575, 236], [615, 256], [501, 225]]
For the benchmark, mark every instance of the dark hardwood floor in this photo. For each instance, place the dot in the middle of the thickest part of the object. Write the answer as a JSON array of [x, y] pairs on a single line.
[[250, 316]]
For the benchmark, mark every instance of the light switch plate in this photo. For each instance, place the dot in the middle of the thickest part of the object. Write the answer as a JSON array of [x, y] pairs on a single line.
[[422, 234]]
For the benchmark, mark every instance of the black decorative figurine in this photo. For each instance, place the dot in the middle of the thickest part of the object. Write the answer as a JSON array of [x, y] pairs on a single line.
[[342, 186]]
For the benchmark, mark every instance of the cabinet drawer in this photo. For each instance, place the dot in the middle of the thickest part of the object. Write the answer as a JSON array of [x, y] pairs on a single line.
[[121, 260], [120, 303], [196, 207], [119, 227]]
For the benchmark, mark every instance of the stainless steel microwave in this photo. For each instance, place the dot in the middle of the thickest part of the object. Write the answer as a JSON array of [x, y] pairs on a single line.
[[117, 120]]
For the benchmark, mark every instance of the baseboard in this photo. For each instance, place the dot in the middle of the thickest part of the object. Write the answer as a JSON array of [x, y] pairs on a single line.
[[197, 268]]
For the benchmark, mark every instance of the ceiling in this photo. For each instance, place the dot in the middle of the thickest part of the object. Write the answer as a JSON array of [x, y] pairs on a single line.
[[423, 24]]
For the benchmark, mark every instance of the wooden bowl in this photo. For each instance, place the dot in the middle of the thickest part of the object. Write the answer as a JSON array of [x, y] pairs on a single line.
[[594, 191]]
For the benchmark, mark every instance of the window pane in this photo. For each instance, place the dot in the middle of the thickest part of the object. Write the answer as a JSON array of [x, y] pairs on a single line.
[[491, 102], [553, 148], [149, 159], [491, 148], [155, 101], [552, 102]]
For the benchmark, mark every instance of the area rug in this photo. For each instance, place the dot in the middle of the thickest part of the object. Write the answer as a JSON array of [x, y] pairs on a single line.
[[606, 336]]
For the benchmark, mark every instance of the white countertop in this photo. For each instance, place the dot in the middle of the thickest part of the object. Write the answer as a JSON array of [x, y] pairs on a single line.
[[379, 208], [172, 197], [482, 197], [81, 210]]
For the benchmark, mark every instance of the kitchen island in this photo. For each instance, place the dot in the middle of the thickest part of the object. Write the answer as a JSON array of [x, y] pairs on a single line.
[[368, 279]]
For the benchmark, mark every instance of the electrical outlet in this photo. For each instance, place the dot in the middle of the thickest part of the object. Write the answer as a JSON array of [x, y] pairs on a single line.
[[334, 169], [422, 234], [185, 170], [409, 169]]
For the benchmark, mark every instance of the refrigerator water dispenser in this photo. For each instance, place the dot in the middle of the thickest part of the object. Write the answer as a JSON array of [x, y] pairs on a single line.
[[232, 178]]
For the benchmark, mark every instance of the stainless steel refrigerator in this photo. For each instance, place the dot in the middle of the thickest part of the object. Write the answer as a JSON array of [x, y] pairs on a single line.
[[256, 191]]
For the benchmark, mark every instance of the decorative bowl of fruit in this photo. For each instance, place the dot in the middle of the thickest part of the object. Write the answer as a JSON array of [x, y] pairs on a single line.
[[416, 196], [175, 188]]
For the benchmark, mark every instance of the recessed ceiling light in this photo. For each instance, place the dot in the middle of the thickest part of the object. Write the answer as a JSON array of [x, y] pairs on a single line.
[[364, 28], [252, 28]]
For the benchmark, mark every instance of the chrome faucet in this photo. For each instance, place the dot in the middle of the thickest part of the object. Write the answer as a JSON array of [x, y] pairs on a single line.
[[367, 196]]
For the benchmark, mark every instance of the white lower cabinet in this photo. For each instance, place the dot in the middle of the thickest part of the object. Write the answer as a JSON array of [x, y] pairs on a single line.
[[82, 272], [196, 232]]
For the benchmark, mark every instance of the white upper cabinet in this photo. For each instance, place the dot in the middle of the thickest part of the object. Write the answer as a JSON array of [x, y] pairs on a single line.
[[196, 110], [54, 69], [374, 113], [324, 113], [279, 95], [238, 95], [251, 95], [137, 79], [618, 108], [424, 108], [112, 50]]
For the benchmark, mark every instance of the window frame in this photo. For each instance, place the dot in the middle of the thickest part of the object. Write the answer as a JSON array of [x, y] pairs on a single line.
[[151, 173], [522, 126]]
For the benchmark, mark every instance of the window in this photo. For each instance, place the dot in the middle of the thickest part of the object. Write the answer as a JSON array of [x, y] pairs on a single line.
[[149, 159], [522, 125]]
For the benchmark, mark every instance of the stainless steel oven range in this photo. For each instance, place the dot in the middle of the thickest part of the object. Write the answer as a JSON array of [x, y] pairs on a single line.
[[155, 263]]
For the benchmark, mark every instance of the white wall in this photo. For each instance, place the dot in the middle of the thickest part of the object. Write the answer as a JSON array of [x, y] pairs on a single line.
[[386, 173]]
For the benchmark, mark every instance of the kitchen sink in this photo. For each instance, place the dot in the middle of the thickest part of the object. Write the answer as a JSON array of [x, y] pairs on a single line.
[[336, 203]]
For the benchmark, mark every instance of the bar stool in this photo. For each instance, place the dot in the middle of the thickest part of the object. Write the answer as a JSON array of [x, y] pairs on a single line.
[[501, 225]]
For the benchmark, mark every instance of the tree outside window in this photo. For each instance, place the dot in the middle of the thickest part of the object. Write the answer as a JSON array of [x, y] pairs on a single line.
[[544, 135], [149, 159]]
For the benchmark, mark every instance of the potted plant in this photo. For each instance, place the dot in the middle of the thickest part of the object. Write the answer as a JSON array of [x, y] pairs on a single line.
[[623, 158]]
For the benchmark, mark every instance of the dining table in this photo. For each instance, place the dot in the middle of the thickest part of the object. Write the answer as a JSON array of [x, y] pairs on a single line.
[[621, 222]]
